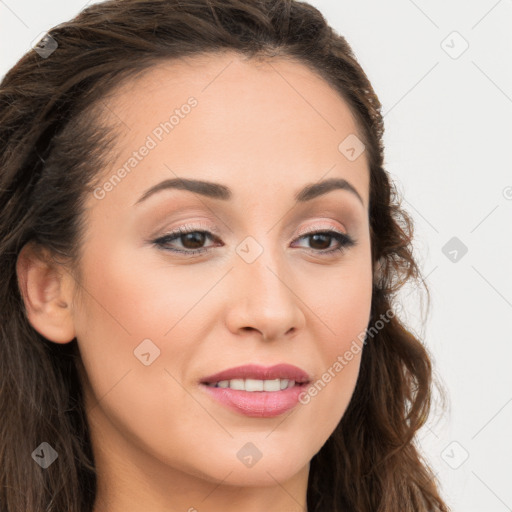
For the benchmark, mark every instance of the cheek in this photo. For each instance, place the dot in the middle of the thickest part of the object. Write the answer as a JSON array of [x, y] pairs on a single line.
[[128, 301], [340, 302], [125, 306], [130, 297], [342, 313], [121, 308]]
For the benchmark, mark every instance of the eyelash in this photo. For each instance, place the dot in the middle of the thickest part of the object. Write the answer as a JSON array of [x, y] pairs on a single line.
[[344, 240]]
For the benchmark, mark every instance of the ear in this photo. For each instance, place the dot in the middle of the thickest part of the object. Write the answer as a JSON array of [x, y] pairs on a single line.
[[47, 294]]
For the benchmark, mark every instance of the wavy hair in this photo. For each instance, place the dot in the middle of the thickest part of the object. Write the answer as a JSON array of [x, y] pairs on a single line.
[[52, 143]]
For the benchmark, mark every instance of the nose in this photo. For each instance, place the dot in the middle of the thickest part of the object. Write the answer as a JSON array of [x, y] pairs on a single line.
[[264, 297]]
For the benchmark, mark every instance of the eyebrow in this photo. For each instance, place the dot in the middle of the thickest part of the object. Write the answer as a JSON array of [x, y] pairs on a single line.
[[218, 191]]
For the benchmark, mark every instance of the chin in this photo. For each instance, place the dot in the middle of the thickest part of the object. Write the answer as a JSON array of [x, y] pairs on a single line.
[[261, 473]]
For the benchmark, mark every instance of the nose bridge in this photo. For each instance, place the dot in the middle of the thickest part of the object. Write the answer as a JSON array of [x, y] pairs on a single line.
[[264, 270], [264, 299]]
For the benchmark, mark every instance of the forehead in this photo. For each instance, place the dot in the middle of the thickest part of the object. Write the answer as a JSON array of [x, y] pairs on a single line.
[[271, 121]]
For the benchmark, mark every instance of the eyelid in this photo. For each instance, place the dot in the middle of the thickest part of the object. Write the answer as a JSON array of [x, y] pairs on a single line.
[[319, 227], [193, 226]]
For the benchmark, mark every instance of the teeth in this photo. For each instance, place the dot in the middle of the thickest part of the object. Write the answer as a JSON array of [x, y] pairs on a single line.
[[255, 384], [284, 383], [236, 384]]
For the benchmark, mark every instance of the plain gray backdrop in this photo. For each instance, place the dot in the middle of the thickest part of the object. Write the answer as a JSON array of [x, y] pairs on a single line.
[[443, 72]]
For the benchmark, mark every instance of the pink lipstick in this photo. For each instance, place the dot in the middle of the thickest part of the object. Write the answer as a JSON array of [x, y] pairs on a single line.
[[257, 391]]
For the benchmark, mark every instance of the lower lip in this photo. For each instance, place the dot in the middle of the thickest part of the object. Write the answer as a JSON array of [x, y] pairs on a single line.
[[257, 404]]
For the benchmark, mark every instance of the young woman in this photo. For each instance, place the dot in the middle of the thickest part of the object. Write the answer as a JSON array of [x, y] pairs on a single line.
[[200, 250]]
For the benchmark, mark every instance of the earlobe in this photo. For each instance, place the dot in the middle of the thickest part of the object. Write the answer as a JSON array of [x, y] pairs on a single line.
[[45, 294]]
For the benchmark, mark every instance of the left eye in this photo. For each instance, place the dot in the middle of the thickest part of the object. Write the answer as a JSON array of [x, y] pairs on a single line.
[[192, 240]]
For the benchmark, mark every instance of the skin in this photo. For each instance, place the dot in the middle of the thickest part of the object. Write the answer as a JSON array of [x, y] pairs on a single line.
[[265, 131]]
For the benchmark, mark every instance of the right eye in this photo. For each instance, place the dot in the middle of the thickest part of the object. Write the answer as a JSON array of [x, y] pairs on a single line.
[[185, 236]]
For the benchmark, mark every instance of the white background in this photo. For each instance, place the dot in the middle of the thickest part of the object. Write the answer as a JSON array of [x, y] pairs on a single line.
[[448, 139]]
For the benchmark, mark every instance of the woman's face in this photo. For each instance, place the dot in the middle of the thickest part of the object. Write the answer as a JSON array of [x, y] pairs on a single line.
[[155, 318]]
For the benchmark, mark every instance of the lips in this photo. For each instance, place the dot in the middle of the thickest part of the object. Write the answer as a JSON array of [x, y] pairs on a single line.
[[253, 371], [257, 403]]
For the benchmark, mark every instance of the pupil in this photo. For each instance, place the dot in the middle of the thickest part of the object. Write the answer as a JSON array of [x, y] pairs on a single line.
[[314, 238], [195, 237]]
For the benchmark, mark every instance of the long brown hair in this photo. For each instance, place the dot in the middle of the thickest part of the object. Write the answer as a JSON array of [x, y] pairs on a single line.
[[52, 142]]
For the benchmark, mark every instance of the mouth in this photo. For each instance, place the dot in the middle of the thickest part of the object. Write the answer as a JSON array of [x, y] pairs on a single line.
[[247, 397], [252, 377], [254, 385], [257, 391]]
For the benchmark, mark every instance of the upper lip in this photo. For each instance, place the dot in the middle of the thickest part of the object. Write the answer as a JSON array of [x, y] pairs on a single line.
[[254, 371]]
